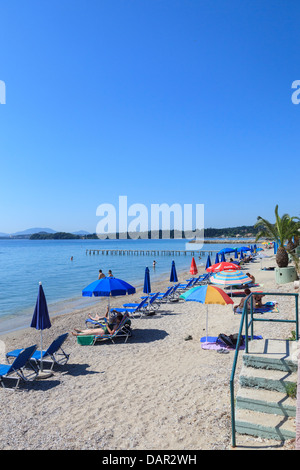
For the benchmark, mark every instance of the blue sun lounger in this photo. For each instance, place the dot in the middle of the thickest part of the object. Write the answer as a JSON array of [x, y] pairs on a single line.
[[161, 296], [53, 352], [16, 369], [138, 308]]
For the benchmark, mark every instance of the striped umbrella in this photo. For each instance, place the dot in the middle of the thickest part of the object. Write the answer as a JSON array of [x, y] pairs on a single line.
[[207, 295], [230, 278]]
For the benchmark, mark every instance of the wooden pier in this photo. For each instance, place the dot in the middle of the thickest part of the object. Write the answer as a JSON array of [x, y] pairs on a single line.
[[148, 252]]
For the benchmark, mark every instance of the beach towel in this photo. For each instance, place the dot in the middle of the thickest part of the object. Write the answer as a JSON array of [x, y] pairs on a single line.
[[212, 344], [268, 307], [85, 340]]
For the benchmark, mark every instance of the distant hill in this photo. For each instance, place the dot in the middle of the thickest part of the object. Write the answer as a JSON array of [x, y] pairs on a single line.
[[81, 232], [30, 231]]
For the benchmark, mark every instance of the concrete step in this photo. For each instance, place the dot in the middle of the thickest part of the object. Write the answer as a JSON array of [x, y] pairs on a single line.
[[276, 380], [272, 354], [265, 426], [266, 401]]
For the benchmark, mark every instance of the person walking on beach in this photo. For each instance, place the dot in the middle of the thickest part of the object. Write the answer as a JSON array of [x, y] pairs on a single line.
[[101, 274]]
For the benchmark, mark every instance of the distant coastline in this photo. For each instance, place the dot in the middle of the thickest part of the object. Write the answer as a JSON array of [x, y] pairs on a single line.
[[235, 233]]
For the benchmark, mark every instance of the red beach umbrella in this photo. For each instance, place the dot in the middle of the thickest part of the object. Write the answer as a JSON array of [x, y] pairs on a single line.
[[223, 266], [193, 268]]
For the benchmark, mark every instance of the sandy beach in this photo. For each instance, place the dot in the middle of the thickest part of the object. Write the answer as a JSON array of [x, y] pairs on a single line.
[[158, 391]]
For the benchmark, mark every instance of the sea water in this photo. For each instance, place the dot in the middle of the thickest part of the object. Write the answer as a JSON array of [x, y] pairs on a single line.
[[24, 263]]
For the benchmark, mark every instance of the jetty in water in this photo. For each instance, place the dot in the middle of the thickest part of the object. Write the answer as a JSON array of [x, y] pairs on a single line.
[[105, 251]]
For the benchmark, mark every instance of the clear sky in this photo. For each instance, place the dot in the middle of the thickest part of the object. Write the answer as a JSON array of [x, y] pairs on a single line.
[[164, 101]]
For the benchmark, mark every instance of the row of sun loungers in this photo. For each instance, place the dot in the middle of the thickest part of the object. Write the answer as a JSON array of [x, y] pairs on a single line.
[[148, 305]]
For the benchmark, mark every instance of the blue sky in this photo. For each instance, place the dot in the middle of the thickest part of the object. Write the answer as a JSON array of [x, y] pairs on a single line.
[[164, 101]]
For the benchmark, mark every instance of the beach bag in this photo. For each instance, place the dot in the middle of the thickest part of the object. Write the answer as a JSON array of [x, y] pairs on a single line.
[[230, 340]]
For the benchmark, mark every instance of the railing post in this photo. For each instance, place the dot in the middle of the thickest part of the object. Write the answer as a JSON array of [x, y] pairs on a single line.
[[297, 320], [246, 327], [252, 323]]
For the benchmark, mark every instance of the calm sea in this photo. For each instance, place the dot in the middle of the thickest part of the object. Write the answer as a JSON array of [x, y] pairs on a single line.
[[25, 263]]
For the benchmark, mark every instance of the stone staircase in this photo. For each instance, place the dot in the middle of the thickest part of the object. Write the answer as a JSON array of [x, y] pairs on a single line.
[[263, 407]]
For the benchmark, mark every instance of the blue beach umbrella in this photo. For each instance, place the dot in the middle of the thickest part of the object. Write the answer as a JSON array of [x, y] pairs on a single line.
[[147, 285], [235, 254], [41, 320], [243, 248], [173, 275], [217, 259], [223, 260], [208, 262], [108, 287], [226, 250]]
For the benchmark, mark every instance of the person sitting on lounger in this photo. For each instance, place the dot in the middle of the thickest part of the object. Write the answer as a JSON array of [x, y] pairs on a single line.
[[258, 300], [251, 277], [110, 317], [106, 330], [239, 308]]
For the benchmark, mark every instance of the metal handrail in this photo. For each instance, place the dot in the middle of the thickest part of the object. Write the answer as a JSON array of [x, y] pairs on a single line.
[[244, 321]]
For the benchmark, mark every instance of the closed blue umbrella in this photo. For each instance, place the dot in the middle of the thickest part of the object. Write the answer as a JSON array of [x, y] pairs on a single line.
[[217, 259], [41, 320], [235, 254], [208, 262], [173, 275], [147, 285], [223, 257]]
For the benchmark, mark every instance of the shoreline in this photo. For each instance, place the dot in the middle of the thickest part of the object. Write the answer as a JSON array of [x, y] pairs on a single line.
[[162, 392], [92, 303]]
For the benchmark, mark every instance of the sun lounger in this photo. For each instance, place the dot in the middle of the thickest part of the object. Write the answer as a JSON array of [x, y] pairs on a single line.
[[204, 279], [138, 308], [123, 330], [54, 354], [166, 296], [187, 285], [160, 294], [16, 369]]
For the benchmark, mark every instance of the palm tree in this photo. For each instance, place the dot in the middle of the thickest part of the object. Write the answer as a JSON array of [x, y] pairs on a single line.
[[281, 232]]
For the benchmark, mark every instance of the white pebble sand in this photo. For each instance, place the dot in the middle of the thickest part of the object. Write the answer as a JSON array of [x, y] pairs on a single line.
[[158, 391]]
